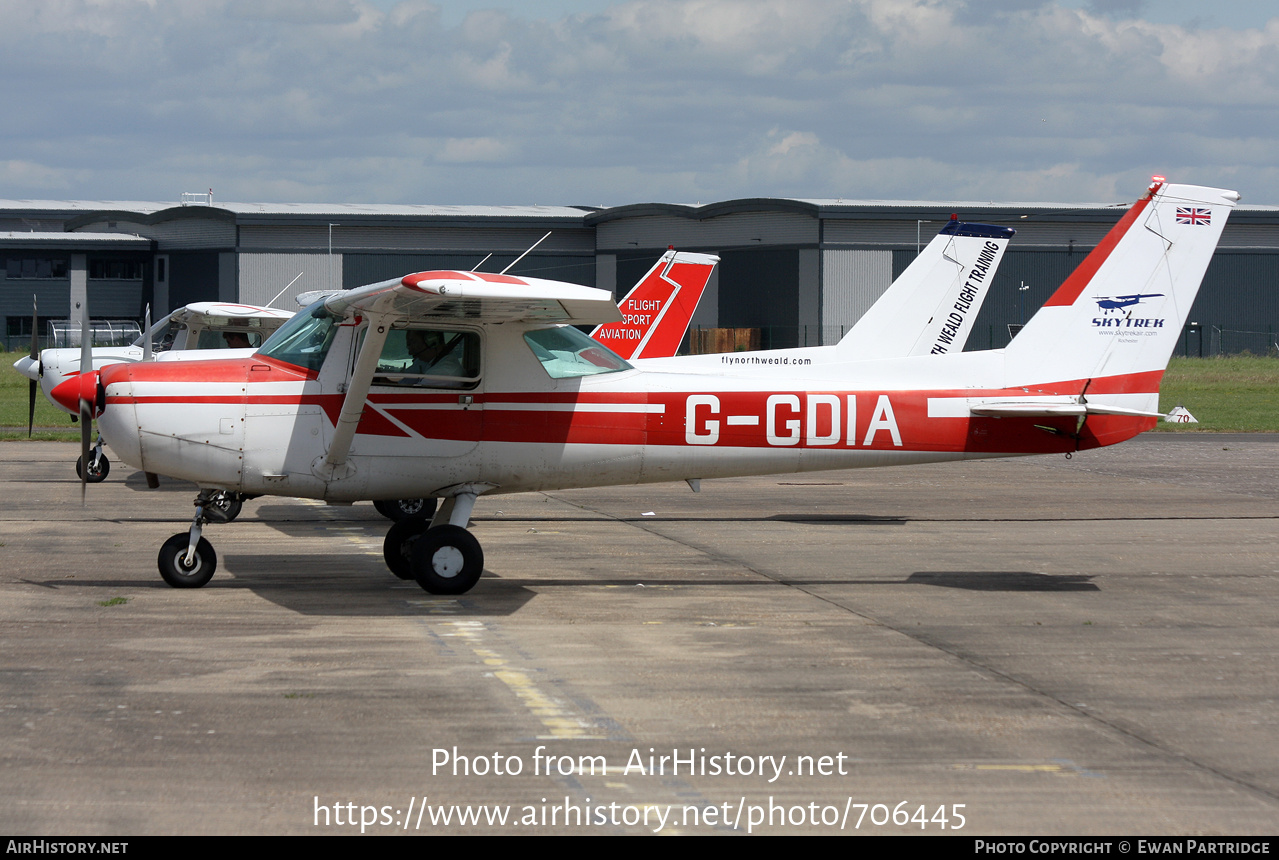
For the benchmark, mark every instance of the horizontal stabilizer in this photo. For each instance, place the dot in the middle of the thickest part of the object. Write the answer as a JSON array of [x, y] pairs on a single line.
[[1052, 407]]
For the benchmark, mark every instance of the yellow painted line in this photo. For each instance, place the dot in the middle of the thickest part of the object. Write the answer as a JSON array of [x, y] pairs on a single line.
[[560, 722]]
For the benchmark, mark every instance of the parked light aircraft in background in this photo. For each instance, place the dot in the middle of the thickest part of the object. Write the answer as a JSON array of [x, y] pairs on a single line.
[[196, 330], [330, 409]]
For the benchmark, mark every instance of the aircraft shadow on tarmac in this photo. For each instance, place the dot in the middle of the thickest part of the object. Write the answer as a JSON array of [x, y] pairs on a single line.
[[138, 481], [1002, 580]]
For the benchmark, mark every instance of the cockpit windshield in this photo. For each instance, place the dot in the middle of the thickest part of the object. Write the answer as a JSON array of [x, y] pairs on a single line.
[[305, 339]]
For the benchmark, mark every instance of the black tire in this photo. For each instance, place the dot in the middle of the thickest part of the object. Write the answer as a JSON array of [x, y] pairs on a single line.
[[406, 509], [447, 560], [229, 504], [98, 473], [179, 575], [397, 547]]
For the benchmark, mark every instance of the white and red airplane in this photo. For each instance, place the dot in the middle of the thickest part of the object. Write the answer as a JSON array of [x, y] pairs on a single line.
[[333, 407]]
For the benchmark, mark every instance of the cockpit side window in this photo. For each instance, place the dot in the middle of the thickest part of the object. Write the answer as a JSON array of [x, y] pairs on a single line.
[[430, 358], [226, 338]]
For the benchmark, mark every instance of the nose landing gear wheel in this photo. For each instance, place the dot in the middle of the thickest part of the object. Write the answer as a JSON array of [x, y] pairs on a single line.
[[397, 547], [99, 468], [177, 572], [447, 560]]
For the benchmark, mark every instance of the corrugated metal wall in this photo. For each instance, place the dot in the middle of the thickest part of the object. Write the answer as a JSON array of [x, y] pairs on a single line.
[[905, 233], [264, 275], [851, 282], [115, 299], [1239, 303], [728, 231], [481, 239], [181, 233]]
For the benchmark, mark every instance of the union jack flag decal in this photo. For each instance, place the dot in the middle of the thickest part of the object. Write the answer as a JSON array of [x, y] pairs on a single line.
[[1193, 215]]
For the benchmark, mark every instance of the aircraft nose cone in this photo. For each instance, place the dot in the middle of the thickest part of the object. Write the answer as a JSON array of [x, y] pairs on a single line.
[[28, 367], [68, 393]]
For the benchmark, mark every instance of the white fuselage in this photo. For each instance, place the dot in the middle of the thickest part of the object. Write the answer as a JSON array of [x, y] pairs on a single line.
[[261, 427]]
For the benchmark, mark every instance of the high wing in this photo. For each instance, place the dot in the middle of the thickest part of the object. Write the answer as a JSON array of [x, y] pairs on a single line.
[[447, 296]]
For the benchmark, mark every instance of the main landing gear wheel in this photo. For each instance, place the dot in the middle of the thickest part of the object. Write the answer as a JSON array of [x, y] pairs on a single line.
[[226, 505], [397, 547], [447, 560], [99, 468], [177, 572], [406, 509]]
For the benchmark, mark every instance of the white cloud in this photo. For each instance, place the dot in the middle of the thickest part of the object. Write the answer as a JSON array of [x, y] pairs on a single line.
[[646, 99]]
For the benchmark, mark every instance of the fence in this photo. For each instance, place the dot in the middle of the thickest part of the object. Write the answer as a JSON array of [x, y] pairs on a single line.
[[705, 341], [1196, 339]]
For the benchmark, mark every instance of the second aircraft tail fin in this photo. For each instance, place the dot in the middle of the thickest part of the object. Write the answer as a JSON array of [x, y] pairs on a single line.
[[931, 306], [657, 311]]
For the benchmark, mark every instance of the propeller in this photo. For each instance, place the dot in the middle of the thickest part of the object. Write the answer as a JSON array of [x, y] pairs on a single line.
[[35, 356], [86, 398], [153, 480]]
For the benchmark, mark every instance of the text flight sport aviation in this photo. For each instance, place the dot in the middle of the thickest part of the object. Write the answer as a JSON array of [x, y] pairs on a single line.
[[331, 407]]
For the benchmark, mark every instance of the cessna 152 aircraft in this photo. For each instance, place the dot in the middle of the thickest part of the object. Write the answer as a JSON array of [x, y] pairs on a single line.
[[333, 407]]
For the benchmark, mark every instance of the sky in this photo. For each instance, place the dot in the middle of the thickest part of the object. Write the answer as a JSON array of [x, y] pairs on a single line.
[[608, 103]]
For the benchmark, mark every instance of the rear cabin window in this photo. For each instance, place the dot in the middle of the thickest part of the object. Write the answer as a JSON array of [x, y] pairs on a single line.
[[565, 353]]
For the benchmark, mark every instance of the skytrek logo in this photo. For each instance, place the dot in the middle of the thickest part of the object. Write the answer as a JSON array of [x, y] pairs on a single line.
[[1118, 303], [1123, 317]]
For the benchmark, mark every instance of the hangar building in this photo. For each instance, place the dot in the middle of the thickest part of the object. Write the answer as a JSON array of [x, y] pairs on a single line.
[[793, 271]]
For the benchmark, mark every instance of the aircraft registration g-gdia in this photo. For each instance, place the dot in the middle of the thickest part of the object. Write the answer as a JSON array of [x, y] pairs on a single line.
[[334, 407]]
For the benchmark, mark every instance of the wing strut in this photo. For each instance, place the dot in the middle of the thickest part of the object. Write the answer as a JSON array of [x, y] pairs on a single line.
[[357, 392]]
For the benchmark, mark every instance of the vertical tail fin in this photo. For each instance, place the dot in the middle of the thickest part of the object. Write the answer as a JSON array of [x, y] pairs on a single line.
[[931, 306], [658, 310], [1118, 315]]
